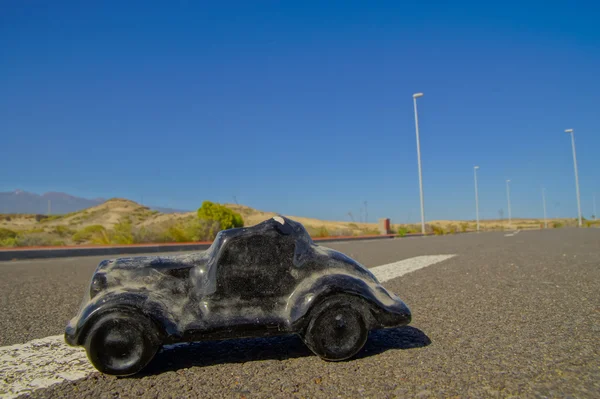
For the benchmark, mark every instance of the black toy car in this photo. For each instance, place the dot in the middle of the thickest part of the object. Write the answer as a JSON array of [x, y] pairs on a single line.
[[268, 279]]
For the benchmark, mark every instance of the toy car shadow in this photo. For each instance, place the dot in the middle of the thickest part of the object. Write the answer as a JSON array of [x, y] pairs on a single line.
[[211, 353], [266, 280]]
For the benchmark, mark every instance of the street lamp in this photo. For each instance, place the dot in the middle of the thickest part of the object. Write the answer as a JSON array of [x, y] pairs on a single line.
[[508, 198], [544, 201], [476, 197], [415, 96], [570, 131]]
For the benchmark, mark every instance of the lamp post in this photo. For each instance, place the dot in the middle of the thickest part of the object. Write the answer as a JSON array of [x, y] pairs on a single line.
[[415, 96], [544, 201], [476, 197], [570, 131], [508, 198]]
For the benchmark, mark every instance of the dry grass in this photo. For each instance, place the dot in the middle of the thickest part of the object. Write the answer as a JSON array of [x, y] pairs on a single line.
[[63, 229]]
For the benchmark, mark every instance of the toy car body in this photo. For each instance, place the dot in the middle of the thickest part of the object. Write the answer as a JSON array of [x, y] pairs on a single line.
[[268, 279]]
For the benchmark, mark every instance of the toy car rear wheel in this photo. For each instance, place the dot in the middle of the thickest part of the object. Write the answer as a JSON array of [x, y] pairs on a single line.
[[337, 329], [121, 344]]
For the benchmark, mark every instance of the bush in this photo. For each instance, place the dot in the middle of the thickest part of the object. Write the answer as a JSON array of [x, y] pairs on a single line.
[[402, 231], [341, 232], [146, 235], [370, 232], [34, 240], [452, 229], [323, 232], [227, 218], [181, 231], [413, 228], [49, 218], [34, 230], [63, 231], [6, 233], [122, 233], [437, 230], [464, 227], [8, 242], [353, 226], [87, 233], [557, 225]]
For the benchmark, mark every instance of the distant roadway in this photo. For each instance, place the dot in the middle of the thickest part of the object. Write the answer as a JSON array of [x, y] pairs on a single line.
[[509, 315]]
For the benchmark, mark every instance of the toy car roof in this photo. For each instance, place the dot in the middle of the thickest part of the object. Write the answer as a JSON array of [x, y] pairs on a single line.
[[281, 224]]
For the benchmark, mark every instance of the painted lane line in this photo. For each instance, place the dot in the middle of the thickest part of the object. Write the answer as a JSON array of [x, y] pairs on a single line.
[[40, 363], [514, 233], [397, 269]]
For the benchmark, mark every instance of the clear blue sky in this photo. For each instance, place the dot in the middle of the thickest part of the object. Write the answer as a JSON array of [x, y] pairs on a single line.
[[303, 108]]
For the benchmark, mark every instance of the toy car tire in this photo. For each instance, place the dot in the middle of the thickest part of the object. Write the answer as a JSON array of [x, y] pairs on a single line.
[[121, 344], [337, 329]]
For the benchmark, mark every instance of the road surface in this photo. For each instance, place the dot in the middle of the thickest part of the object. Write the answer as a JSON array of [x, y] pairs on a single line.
[[494, 315]]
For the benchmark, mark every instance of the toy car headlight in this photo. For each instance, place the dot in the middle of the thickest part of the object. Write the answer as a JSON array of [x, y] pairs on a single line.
[[99, 283]]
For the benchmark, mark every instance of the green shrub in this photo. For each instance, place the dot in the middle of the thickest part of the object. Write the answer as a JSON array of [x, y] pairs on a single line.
[[50, 218], [402, 231], [413, 228], [353, 226], [341, 233], [370, 232], [201, 230], [227, 218], [102, 237], [33, 231], [34, 240], [452, 229], [63, 231], [122, 233], [437, 230], [8, 242], [87, 233], [193, 230], [6, 233], [317, 232], [557, 225], [464, 227], [146, 235], [177, 234]]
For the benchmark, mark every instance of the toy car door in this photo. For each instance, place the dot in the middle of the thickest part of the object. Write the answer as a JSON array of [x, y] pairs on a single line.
[[254, 277]]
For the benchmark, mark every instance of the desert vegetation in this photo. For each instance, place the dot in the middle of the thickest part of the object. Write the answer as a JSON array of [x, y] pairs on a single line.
[[120, 222]]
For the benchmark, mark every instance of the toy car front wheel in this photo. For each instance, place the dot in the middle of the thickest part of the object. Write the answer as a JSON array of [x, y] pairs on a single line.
[[337, 329], [121, 343]]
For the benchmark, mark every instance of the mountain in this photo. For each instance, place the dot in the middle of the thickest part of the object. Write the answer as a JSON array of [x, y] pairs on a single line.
[[20, 201]]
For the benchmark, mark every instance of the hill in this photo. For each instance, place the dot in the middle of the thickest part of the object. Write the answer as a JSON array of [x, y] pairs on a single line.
[[54, 203], [122, 221]]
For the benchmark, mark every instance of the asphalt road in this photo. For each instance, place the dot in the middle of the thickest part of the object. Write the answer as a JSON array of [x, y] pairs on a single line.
[[508, 316]]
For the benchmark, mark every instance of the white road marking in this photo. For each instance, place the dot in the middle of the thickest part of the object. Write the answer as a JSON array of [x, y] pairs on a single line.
[[514, 233], [43, 362], [40, 363], [397, 269]]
